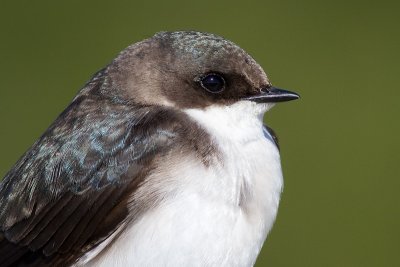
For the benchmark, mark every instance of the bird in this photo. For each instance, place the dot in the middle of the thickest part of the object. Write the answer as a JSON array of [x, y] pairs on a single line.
[[161, 159]]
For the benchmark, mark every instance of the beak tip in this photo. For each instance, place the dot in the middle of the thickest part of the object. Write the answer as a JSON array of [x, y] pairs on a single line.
[[296, 96]]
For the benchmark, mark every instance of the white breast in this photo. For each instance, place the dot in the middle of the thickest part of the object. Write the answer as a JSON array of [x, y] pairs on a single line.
[[219, 215]]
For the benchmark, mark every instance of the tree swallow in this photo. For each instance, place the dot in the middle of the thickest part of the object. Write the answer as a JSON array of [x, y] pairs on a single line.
[[161, 159]]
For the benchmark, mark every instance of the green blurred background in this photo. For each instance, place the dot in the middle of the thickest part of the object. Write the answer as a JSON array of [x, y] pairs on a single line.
[[340, 142]]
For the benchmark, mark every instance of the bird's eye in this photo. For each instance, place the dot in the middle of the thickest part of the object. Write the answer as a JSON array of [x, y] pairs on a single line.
[[213, 83]]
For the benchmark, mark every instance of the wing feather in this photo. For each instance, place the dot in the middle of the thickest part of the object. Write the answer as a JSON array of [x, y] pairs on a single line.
[[66, 193]]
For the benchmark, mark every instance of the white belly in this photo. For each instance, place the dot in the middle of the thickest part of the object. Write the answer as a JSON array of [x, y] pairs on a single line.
[[220, 215]]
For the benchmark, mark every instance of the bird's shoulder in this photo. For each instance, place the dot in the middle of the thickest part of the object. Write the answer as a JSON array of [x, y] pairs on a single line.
[[69, 191]]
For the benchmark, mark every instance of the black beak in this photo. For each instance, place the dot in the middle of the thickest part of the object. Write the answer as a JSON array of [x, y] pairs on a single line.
[[273, 95]]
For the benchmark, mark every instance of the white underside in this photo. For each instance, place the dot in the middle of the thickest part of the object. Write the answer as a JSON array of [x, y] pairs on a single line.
[[218, 215]]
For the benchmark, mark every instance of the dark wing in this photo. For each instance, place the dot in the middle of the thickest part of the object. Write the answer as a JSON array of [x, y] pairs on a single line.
[[69, 191], [272, 134]]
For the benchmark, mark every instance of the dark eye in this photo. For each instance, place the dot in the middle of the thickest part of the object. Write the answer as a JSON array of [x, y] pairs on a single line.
[[214, 83]]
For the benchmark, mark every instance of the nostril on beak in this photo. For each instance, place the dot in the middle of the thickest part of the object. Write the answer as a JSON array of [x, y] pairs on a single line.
[[265, 90]]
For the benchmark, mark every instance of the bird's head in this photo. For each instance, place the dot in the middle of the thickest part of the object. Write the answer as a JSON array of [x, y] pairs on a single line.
[[190, 70]]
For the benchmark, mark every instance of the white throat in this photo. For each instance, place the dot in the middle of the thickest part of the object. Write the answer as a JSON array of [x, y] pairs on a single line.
[[234, 122], [250, 156]]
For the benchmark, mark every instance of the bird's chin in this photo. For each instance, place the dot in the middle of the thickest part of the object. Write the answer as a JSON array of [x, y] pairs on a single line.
[[265, 106], [257, 108]]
